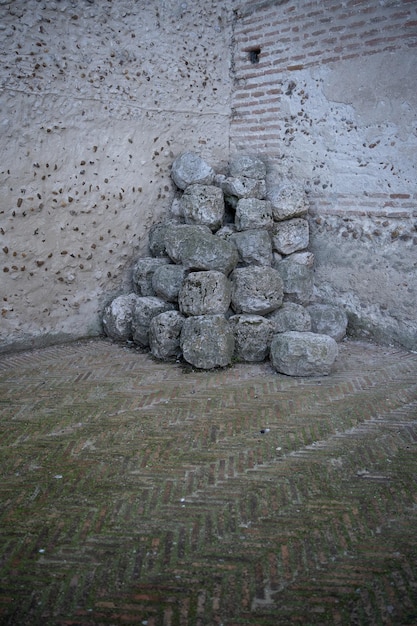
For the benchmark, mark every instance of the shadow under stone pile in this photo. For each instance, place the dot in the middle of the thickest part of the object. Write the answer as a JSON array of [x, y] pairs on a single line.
[[229, 276]]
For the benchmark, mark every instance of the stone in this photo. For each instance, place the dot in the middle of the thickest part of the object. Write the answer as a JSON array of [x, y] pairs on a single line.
[[205, 293], [117, 317], [203, 204], [254, 246], [207, 341], [167, 281], [226, 231], [164, 335], [290, 316], [244, 187], [257, 290], [201, 250], [143, 271], [253, 335], [303, 354], [288, 200], [189, 168], [329, 320], [176, 236], [247, 165], [303, 258], [156, 239], [290, 236], [143, 310], [298, 281], [253, 213]]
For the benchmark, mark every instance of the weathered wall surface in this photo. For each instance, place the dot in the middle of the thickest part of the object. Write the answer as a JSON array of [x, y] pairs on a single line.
[[328, 91], [96, 100]]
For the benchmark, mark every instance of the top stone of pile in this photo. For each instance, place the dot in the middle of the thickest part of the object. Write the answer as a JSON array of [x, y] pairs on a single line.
[[189, 169], [247, 166]]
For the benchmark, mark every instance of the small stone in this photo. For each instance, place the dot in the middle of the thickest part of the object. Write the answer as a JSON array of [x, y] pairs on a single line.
[[203, 204], [143, 271], [329, 320], [290, 316], [254, 246], [298, 280], [117, 317], [303, 354], [205, 293], [253, 213], [144, 309], [207, 341], [257, 290], [288, 200], [290, 236], [167, 281], [244, 187], [189, 168], [247, 165]]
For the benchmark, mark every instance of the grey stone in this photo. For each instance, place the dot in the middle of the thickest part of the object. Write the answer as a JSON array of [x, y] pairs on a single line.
[[253, 213], [328, 319], [247, 165], [143, 271], [303, 354], [244, 187], [203, 204], [226, 231], [205, 293], [257, 290], [117, 317], [164, 335], [144, 309], [189, 168], [253, 335], [156, 238], [290, 316], [200, 250], [288, 200], [167, 281], [290, 236], [303, 258], [207, 341], [298, 281], [254, 246]]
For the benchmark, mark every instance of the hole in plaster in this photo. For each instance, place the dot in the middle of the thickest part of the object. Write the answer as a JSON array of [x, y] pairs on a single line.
[[254, 55]]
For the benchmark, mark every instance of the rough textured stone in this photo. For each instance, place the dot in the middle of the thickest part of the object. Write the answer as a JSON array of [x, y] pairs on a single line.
[[177, 235], [290, 236], [257, 290], [253, 334], [303, 354], [203, 204], [205, 293], [167, 281], [156, 238], [329, 320], [244, 187], [226, 231], [201, 250], [290, 316], [303, 258], [298, 280], [117, 317], [288, 200], [247, 165], [253, 213], [189, 168], [254, 246], [144, 309], [207, 341], [143, 271], [164, 335]]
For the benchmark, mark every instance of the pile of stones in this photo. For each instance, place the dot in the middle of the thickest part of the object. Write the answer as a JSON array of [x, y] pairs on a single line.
[[229, 276]]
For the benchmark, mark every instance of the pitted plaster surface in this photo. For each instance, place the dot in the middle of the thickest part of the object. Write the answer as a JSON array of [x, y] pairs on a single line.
[[96, 100]]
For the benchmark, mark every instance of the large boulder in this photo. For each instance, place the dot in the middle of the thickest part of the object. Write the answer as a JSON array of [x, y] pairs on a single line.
[[288, 200], [254, 246], [117, 317], [291, 235], [257, 290], [290, 316], [144, 309], [200, 250], [247, 165], [298, 280], [164, 335], [143, 271], [203, 204], [207, 341], [253, 213], [328, 319], [189, 168], [253, 334], [205, 293], [167, 281], [303, 354]]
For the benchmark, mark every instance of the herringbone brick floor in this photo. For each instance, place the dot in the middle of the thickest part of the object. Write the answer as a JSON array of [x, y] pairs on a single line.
[[137, 492]]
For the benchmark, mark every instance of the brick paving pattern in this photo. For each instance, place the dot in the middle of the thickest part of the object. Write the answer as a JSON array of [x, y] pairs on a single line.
[[138, 492]]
